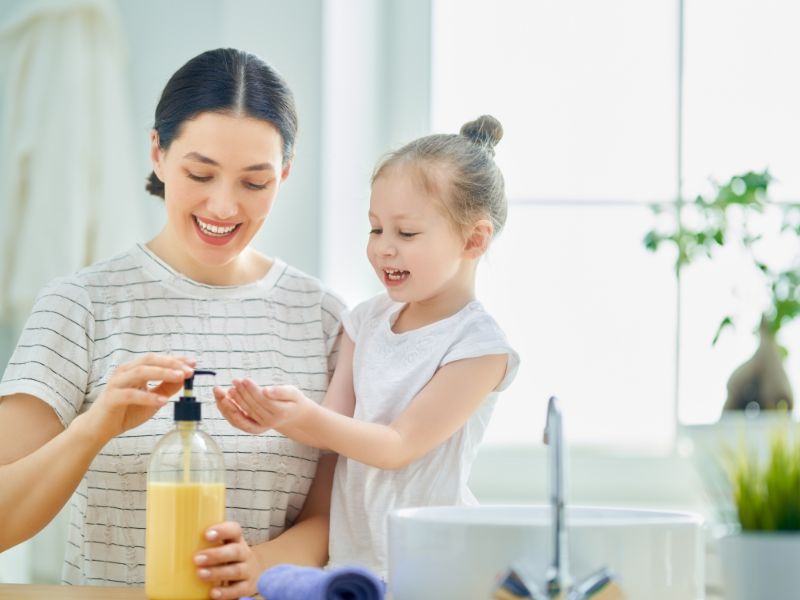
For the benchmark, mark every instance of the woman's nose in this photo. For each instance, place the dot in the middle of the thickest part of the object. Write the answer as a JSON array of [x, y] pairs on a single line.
[[222, 207]]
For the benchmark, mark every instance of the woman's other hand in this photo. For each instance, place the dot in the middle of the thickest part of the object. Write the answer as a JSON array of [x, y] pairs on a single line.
[[232, 568], [128, 400]]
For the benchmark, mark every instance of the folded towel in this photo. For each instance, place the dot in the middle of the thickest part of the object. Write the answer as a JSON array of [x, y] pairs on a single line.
[[290, 582]]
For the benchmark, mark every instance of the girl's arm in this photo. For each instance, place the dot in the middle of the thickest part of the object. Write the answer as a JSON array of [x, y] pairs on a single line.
[[41, 463], [452, 395]]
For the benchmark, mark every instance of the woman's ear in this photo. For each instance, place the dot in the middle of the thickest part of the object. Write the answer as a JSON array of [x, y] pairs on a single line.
[[478, 238], [156, 154], [287, 168]]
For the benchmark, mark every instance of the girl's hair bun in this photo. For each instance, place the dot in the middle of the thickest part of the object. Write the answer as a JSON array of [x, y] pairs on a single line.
[[485, 130]]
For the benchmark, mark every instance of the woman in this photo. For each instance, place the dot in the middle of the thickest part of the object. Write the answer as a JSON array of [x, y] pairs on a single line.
[[79, 413]]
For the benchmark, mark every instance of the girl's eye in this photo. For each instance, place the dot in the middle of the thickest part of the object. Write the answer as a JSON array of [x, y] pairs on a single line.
[[255, 186], [407, 234], [375, 231], [199, 178]]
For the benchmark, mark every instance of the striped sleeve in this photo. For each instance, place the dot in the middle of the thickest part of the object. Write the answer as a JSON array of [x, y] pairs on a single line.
[[52, 358], [331, 307]]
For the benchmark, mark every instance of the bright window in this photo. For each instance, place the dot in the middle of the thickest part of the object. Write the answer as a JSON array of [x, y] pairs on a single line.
[[589, 96]]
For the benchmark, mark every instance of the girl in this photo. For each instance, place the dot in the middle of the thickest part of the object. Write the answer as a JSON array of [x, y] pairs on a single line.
[[420, 366]]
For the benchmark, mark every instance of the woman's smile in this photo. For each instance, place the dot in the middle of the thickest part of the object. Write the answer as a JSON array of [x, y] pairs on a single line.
[[215, 232]]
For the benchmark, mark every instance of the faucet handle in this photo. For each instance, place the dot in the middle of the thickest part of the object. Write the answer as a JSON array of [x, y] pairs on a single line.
[[515, 584], [600, 585]]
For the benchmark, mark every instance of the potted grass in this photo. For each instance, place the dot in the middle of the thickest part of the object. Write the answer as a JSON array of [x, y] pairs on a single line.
[[760, 556]]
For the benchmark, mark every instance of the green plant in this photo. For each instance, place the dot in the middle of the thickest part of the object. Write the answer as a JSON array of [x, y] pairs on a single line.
[[728, 218], [766, 494]]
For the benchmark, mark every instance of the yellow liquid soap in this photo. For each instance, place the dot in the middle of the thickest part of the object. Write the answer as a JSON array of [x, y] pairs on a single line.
[[177, 516]]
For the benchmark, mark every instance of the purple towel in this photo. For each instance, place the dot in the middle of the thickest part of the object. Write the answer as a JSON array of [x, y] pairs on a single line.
[[290, 582]]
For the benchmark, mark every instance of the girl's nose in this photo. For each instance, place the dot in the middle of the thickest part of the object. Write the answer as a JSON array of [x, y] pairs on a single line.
[[388, 249]]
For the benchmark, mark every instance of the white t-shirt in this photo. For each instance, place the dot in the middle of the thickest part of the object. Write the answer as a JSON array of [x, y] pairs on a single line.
[[389, 370], [281, 329]]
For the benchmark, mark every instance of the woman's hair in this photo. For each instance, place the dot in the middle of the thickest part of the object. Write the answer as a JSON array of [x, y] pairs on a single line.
[[224, 81], [464, 164]]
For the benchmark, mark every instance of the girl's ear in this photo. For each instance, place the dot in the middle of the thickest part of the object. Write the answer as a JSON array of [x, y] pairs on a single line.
[[478, 238], [156, 155]]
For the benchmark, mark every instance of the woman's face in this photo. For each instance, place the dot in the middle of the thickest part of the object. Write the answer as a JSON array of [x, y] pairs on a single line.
[[221, 175]]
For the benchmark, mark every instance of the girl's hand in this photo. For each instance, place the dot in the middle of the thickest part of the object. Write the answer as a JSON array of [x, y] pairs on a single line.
[[232, 568], [127, 401], [255, 409]]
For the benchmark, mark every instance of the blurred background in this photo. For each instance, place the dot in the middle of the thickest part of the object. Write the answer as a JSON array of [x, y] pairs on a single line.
[[616, 114]]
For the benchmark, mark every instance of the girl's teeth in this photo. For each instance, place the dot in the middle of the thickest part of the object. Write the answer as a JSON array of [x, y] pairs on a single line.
[[396, 275]]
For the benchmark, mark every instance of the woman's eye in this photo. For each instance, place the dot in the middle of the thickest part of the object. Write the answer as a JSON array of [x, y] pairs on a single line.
[[199, 178], [375, 231], [255, 186], [407, 234]]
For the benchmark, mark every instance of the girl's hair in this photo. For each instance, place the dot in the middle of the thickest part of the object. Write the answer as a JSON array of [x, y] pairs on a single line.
[[224, 81], [474, 186]]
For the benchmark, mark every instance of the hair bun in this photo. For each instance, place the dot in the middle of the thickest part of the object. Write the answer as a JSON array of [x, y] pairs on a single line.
[[485, 130]]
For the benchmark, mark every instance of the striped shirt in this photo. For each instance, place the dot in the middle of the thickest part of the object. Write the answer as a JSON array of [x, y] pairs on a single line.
[[280, 329]]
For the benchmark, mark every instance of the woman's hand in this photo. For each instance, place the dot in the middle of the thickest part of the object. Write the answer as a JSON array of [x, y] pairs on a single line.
[[256, 410], [128, 401], [232, 568]]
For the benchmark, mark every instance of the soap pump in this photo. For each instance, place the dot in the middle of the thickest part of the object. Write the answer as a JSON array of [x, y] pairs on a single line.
[[185, 496]]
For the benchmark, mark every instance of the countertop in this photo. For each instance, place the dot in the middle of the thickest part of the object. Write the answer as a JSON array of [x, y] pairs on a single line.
[[13, 591]]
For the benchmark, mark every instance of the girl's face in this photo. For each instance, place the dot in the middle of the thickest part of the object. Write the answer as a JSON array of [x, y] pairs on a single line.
[[413, 246], [221, 175]]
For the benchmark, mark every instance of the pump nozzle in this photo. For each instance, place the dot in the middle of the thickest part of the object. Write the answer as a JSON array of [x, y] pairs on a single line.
[[187, 408]]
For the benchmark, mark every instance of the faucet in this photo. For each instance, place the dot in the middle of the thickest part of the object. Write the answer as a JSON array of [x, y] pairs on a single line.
[[517, 583]]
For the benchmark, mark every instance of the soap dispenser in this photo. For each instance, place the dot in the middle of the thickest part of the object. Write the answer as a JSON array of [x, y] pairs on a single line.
[[185, 496]]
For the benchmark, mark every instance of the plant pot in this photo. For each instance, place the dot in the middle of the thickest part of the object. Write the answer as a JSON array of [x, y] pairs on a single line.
[[760, 565]]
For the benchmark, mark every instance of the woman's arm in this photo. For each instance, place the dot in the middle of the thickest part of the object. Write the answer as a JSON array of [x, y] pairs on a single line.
[[41, 463], [437, 411]]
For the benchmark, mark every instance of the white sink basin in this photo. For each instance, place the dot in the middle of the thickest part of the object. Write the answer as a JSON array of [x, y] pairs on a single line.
[[457, 552]]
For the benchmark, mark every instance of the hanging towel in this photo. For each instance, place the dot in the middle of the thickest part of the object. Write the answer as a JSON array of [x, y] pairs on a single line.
[[68, 193], [290, 582]]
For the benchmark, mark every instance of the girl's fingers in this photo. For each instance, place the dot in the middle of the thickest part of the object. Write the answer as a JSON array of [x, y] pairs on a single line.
[[239, 419]]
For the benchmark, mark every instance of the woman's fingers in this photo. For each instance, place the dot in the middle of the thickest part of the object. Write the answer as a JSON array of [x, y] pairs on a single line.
[[232, 592], [232, 562], [139, 375], [227, 531], [161, 360], [142, 398]]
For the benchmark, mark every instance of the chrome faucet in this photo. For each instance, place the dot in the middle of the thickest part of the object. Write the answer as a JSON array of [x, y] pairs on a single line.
[[517, 583]]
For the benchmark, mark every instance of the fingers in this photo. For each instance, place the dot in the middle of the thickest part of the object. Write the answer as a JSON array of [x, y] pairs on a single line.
[[282, 392], [239, 419], [139, 375], [232, 562], [142, 398], [161, 360], [251, 399]]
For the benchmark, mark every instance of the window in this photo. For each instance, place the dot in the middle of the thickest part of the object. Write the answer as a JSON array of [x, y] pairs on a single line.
[[591, 101]]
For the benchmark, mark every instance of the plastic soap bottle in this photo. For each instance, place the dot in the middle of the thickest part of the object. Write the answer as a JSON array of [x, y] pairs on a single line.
[[185, 496]]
